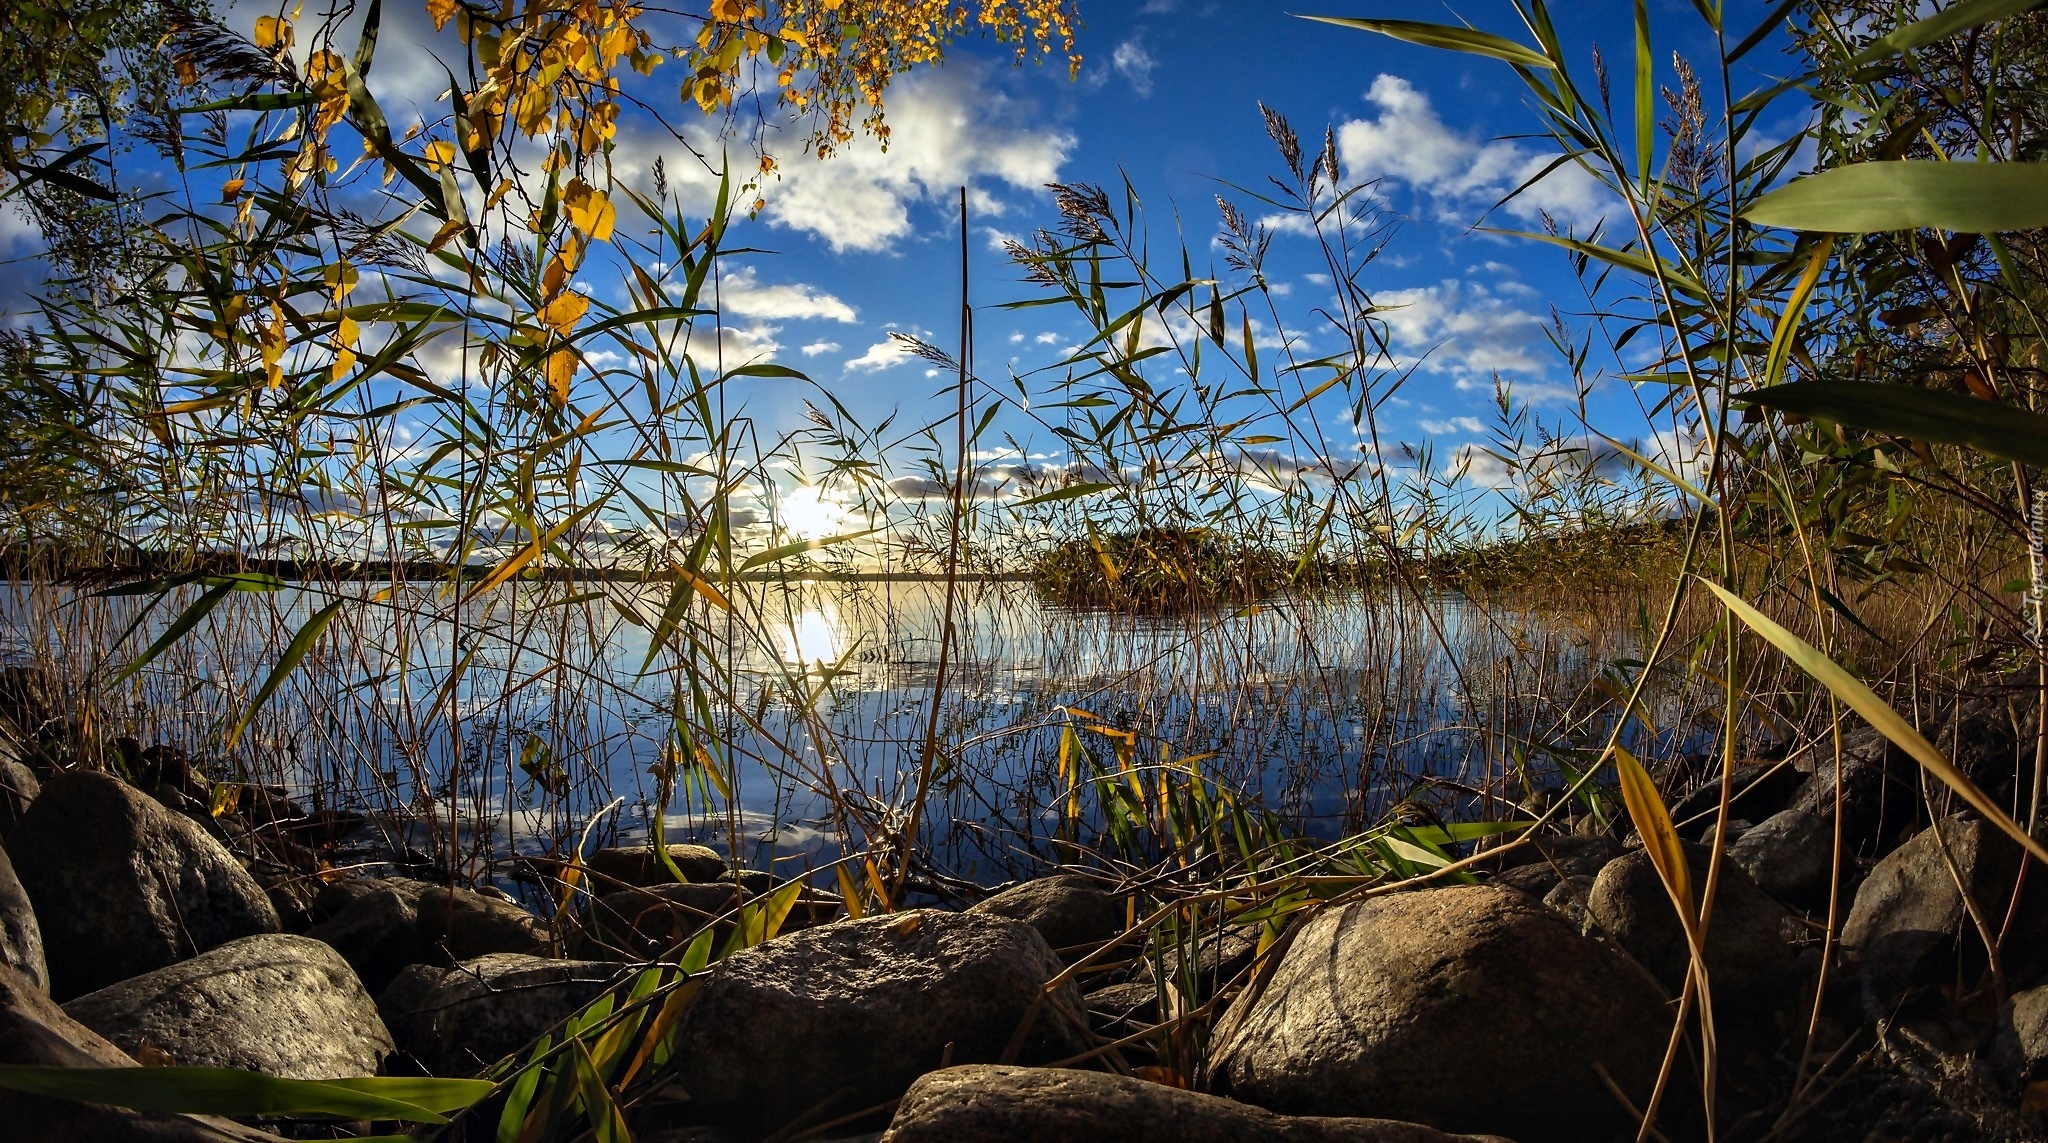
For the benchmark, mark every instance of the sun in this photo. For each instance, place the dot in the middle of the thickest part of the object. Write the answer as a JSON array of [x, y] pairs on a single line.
[[804, 512]]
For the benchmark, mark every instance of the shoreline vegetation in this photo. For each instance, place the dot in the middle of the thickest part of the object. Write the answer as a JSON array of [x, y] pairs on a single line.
[[1727, 833]]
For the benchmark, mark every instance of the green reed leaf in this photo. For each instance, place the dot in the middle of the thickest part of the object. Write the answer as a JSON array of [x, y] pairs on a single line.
[[1941, 25], [286, 664], [1071, 491], [1910, 194], [778, 554], [2004, 431], [1468, 40], [186, 620], [226, 1091]]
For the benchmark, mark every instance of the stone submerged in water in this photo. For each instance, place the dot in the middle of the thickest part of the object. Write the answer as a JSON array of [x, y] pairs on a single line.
[[832, 1020], [1469, 1008], [123, 886], [639, 865], [275, 1003], [35, 1032], [1049, 1105]]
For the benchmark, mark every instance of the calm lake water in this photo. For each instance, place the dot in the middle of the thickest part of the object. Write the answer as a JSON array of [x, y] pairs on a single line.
[[539, 711]]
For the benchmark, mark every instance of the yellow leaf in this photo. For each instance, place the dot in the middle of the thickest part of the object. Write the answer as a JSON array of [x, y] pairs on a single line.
[[561, 369], [554, 277], [589, 210], [562, 314], [440, 152], [1660, 838], [231, 190], [441, 12], [273, 32]]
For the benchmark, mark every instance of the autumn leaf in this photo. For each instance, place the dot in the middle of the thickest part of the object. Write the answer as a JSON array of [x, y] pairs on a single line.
[[561, 370], [589, 210], [441, 11], [273, 32], [562, 314]]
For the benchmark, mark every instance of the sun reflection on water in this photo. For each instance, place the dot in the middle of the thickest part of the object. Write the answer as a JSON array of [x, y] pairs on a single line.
[[812, 638]]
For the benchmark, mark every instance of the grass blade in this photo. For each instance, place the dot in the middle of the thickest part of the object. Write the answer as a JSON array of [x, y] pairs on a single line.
[[286, 664], [1468, 40], [215, 1091], [1943, 24]]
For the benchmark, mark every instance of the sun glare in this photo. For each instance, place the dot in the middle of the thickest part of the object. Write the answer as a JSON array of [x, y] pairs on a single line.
[[807, 515]]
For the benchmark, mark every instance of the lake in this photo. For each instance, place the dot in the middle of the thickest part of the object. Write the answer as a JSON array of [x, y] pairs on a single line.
[[788, 721]]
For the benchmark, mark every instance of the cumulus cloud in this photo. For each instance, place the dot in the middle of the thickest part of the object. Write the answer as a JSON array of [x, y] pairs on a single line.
[[1462, 327], [744, 294], [1133, 61], [1461, 173], [1454, 425], [817, 347], [884, 354], [948, 126]]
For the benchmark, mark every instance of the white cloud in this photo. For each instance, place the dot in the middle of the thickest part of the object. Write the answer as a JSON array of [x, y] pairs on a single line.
[[742, 293], [1462, 174], [947, 128], [1462, 327], [1135, 63], [1454, 425], [817, 347], [884, 354], [1047, 339]]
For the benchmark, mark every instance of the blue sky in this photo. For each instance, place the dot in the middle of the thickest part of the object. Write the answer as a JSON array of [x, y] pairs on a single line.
[[865, 243]]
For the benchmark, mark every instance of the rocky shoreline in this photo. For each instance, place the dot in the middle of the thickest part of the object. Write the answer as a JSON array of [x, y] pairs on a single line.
[[1531, 998]]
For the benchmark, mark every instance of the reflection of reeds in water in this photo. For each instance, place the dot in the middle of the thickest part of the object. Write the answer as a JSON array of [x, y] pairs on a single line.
[[1332, 711]]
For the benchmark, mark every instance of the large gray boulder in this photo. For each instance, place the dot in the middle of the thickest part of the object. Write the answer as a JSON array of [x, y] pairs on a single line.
[[2018, 1054], [279, 1004], [1471, 1008], [122, 885], [1068, 910], [844, 1016], [1910, 928], [21, 938], [1788, 855], [377, 933], [486, 1008], [1749, 962], [35, 1032], [463, 924], [1052, 1105]]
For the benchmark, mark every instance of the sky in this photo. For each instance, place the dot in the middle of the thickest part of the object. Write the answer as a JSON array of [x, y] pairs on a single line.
[[1168, 98]]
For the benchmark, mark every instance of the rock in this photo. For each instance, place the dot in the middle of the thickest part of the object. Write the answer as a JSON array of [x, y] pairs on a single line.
[[635, 865], [275, 1003], [1537, 867], [21, 939], [378, 934], [1121, 1009], [463, 924], [335, 898], [640, 923], [1749, 961], [2019, 1046], [1909, 926], [1568, 898], [1067, 910], [400, 1003], [488, 1007], [35, 1031], [1757, 790], [754, 881], [1053, 1105], [1471, 1008], [1788, 855], [122, 886], [18, 785], [1880, 788], [844, 1016]]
